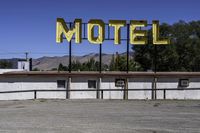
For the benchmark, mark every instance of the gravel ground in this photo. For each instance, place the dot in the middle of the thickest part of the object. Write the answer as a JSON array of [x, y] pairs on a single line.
[[100, 116]]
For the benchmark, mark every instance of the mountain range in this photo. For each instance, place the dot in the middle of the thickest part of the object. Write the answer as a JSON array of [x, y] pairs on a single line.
[[48, 63]]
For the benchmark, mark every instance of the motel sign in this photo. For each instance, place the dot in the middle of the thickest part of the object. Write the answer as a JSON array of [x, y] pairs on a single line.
[[137, 35]]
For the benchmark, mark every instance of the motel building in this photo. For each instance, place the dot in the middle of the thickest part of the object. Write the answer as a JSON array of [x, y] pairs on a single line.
[[21, 83]]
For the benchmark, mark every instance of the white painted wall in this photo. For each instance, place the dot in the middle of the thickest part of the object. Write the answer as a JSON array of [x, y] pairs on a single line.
[[10, 70], [109, 83], [82, 83], [30, 83], [140, 83], [24, 65], [164, 83], [38, 82]]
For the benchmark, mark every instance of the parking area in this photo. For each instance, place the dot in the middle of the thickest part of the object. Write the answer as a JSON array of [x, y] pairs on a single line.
[[100, 116]]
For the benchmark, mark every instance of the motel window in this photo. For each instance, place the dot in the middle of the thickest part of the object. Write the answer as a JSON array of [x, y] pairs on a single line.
[[92, 84], [60, 83]]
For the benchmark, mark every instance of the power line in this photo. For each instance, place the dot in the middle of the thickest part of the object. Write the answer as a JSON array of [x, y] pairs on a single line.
[[7, 53]]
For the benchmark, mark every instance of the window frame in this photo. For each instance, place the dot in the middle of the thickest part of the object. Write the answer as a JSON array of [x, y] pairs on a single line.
[[61, 83], [184, 80], [94, 84]]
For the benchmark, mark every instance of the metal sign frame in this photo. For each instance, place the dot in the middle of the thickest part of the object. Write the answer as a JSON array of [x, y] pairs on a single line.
[[108, 38]]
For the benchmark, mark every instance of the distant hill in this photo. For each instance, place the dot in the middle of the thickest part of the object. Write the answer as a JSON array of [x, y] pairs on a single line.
[[47, 63]]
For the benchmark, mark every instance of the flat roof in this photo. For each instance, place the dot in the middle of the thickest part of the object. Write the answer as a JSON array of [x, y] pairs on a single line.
[[103, 74]]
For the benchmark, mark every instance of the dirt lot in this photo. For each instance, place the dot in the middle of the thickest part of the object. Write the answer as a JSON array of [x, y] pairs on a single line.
[[99, 116]]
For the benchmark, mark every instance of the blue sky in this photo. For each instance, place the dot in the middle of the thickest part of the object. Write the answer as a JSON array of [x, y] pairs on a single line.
[[30, 25]]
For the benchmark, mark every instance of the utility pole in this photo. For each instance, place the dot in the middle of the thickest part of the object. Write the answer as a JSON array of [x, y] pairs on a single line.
[[26, 54]]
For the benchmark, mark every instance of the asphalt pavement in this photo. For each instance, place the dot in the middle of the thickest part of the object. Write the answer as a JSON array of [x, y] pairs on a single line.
[[100, 116]]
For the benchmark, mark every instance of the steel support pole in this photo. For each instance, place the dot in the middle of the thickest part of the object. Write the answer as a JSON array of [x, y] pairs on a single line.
[[126, 89], [68, 88], [98, 88], [164, 94], [155, 58], [155, 70], [127, 50], [70, 52], [100, 58], [101, 94], [35, 94], [100, 69]]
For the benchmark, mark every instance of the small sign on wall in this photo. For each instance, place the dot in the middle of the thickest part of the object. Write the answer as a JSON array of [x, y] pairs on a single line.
[[183, 82], [119, 82]]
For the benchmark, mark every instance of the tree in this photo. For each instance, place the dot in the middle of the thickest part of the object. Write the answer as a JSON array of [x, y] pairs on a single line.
[[5, 64], [76, 66], [62, 68], [120, 64], [36, 69], [112, 64], [183, 54]]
